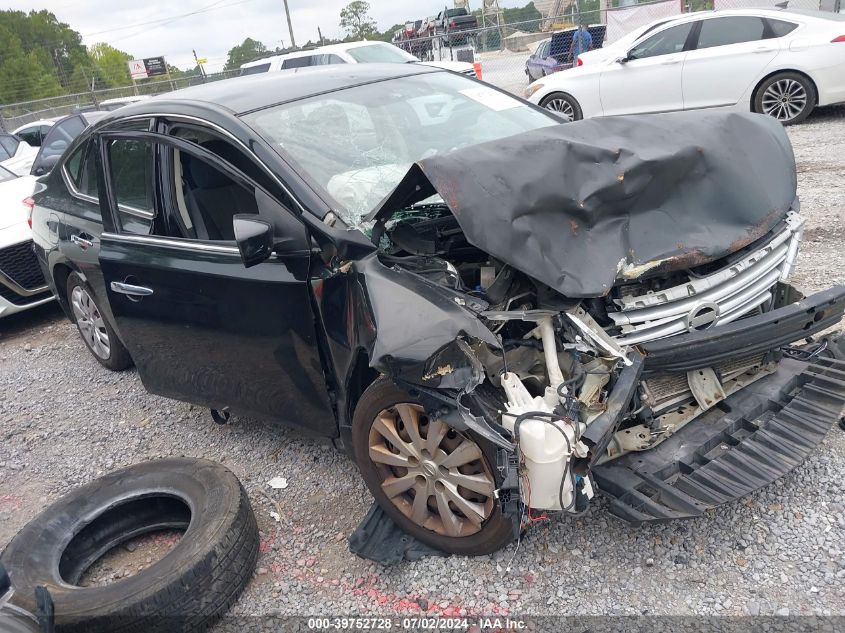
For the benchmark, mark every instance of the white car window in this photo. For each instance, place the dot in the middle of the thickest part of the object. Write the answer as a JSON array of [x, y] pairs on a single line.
[[732, 30], [781, 27], [378, 54], [667, 42]]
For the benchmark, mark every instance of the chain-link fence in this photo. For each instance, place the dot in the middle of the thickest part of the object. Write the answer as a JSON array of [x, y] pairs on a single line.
[[13, 115], [509, 54]]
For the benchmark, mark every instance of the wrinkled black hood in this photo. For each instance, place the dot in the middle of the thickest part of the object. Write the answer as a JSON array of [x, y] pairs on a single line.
[[582, 205]]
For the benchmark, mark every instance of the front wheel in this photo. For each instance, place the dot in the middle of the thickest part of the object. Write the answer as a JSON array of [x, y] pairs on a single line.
[[436, 483], [564, 105], [788, 97]]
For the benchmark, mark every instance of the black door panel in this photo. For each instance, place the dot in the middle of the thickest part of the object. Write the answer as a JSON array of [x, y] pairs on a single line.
[[220, 335]]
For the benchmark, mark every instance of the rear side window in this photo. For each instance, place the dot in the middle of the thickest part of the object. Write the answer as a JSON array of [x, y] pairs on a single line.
[[733, 30], [297, 62], [131, 165], [667, 42], [81, 168], [254, 70], [779, 28]]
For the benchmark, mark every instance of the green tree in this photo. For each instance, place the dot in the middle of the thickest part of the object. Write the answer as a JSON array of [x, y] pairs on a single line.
[[247, 51], [110, 66], [356, 21]]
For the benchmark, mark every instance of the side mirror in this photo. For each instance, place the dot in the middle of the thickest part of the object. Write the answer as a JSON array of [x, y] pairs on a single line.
[[623, 60], [254, 238]]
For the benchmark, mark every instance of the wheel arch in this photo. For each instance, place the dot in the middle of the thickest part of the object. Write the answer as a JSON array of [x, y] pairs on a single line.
[[779, 72], [360, 376], [60, 274]]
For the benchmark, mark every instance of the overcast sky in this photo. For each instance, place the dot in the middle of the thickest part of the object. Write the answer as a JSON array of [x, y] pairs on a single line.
[[153, 27]]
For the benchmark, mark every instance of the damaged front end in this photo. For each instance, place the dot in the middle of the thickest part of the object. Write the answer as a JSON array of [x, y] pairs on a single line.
[[626, 327]]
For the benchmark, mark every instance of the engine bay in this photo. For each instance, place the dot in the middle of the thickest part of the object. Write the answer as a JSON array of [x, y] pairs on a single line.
[[560, 358]]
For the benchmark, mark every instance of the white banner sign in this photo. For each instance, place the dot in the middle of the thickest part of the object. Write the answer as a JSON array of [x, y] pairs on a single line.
[[137, 69], [624, 20]]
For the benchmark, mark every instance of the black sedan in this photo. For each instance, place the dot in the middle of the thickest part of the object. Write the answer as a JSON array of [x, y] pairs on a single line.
[[447, 283]]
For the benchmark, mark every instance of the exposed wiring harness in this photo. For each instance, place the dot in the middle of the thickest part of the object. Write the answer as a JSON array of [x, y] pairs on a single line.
[[803, 353]]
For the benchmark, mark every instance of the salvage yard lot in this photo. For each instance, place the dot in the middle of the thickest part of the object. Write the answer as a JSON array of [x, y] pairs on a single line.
[[66, 420]]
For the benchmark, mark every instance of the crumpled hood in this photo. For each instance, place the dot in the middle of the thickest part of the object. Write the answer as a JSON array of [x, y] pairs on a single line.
[[582, 205]]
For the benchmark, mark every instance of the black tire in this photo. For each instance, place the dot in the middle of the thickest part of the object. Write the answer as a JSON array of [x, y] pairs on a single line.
[[762, 100], [187, 590], [559, 100], [495, 533], [117, 358]]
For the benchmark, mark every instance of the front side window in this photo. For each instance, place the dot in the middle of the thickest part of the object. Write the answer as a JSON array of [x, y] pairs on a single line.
[[380, 54], [131, 166], [733, 30], [6, 175], [31, 135], [667, 42], [354, 142], [4, 153]]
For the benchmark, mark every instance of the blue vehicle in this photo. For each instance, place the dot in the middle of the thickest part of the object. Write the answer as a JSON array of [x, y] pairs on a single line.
[[555, 53]]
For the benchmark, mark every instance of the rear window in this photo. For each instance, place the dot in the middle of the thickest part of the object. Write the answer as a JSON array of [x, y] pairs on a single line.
[[454, 13], [254, 70], [781, 27], [10, 144], [378, 54]]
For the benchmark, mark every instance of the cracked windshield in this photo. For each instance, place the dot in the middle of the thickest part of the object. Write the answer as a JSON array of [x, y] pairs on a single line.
[[358, 143]]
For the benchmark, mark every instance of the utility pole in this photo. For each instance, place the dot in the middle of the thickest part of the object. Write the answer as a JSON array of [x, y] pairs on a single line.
[[290, 26], [200, 66], [320, 33]]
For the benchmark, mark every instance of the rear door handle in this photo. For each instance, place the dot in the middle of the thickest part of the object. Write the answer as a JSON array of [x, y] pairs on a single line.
[[81, 242], [129, 289], [670, 62], [764, 49]]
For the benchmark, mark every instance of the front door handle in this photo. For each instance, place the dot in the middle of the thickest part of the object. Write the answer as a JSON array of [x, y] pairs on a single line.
[[81, 242], [670, 62], [764, 49], [130, 290]]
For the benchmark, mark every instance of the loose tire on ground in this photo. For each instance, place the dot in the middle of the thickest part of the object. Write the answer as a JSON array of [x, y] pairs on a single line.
[[82, 301], [788, 97], [495, 531], [186, 591]]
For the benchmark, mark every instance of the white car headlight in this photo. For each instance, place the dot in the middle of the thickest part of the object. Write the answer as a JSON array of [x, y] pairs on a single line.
[[530, 90]]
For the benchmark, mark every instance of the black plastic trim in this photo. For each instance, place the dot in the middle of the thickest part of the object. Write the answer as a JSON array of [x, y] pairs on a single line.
[[745, 337]]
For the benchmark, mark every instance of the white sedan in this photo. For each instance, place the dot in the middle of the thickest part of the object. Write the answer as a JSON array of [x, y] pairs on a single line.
[[780, 63], [16, 155], [22, 284]]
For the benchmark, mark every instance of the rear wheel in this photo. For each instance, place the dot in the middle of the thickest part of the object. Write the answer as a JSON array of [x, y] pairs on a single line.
[[788, 97], [564, 105], [436, 483], [96, 333]]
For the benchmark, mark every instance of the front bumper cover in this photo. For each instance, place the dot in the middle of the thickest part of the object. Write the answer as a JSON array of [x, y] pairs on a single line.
[[771, 427], [748, 336]]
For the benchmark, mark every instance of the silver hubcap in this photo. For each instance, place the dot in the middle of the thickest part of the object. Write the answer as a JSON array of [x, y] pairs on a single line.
[[562, 107], [784, 100], [90, 322], [438, 478]]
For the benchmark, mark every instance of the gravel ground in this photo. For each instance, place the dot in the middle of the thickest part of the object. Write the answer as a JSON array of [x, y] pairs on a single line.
[[65, 420]]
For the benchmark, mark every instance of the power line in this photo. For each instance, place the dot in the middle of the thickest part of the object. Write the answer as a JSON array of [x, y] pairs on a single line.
[[211, 7]]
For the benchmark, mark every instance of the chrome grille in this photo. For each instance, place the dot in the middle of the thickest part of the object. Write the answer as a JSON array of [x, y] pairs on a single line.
[[718, 298]]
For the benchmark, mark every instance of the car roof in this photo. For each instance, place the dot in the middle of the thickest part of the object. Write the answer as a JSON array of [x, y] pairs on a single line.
[[254, 92]]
